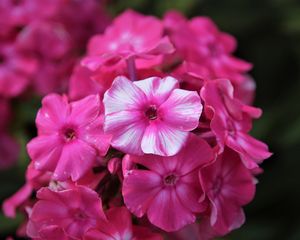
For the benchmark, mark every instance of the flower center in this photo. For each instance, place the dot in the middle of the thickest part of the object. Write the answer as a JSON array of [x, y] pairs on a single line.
[[69, 134], [217, 187], [79, 215], [151, 112], [2, 58], [170, 180]]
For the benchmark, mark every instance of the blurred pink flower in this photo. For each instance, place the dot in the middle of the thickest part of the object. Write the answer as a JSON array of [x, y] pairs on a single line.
[[200, 41], [150, 116], [16, 68], [70, 136], [168, 190], [126, 39]]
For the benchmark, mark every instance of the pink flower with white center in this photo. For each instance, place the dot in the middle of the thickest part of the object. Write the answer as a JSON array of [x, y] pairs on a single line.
[[68, 213], [168, 190], [228, 186], [70, 136], [231, 120], [150, 115], [119, 227], [126, 38]]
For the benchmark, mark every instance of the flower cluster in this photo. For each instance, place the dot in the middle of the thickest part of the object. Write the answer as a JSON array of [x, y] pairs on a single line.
[[151, 141], [40, 41]]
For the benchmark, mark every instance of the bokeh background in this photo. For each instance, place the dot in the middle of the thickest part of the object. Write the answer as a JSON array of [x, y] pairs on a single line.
[[268, 33]]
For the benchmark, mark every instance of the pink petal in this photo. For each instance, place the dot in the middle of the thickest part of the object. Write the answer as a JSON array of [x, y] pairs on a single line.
[[123, 95], [10, 205], [121, 219], [93, 134], [53, 113], [85, 110], [45, 151], [196, 153], [189, 194], [157, 89], [139, 189], [182, 110], [161, 139], [252, 151], [172, 215], [76, 159], [127, 128], [229, 216]]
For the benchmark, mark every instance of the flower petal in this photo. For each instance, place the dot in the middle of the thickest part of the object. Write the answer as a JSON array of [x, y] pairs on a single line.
[[167, 212], [161, 139], [182, 109], [76, 159], [127, 128], [139, 189], [123, 95], [157, 89]]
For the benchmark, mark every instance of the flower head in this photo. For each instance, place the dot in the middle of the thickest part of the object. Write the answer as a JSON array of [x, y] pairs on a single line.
[[150, 116], [127, 38], [70, 136], [67, 213], [168, 190]]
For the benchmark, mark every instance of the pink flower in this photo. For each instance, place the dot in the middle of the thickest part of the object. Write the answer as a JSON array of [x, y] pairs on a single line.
[[150, 116], [168, 190], [67, 214], [231, 120], [15, 70], [200, 41], [126, 38], [70, 136], [228, 186], [118, 226]]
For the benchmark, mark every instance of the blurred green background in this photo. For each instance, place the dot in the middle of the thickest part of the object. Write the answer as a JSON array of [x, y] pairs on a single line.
[[268, 32]]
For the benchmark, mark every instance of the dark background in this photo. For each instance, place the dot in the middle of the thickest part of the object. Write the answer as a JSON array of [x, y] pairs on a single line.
[[268, 32]]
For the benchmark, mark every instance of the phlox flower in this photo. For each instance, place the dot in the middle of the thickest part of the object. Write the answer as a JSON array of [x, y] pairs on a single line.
[[231, 120], [167, 190], [65, 214], [150, 115], [15, 70], [126, 38], [200, 41], [70, 136], [228, 186], [119, 226]]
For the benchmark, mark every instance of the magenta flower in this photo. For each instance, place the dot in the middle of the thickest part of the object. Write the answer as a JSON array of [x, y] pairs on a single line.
[[67, 214], [231, 120], [70, 136], [126, 38], [16, 68], [228, 186], [168, 190], [201, 42], [119, 226], [150, 116]]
